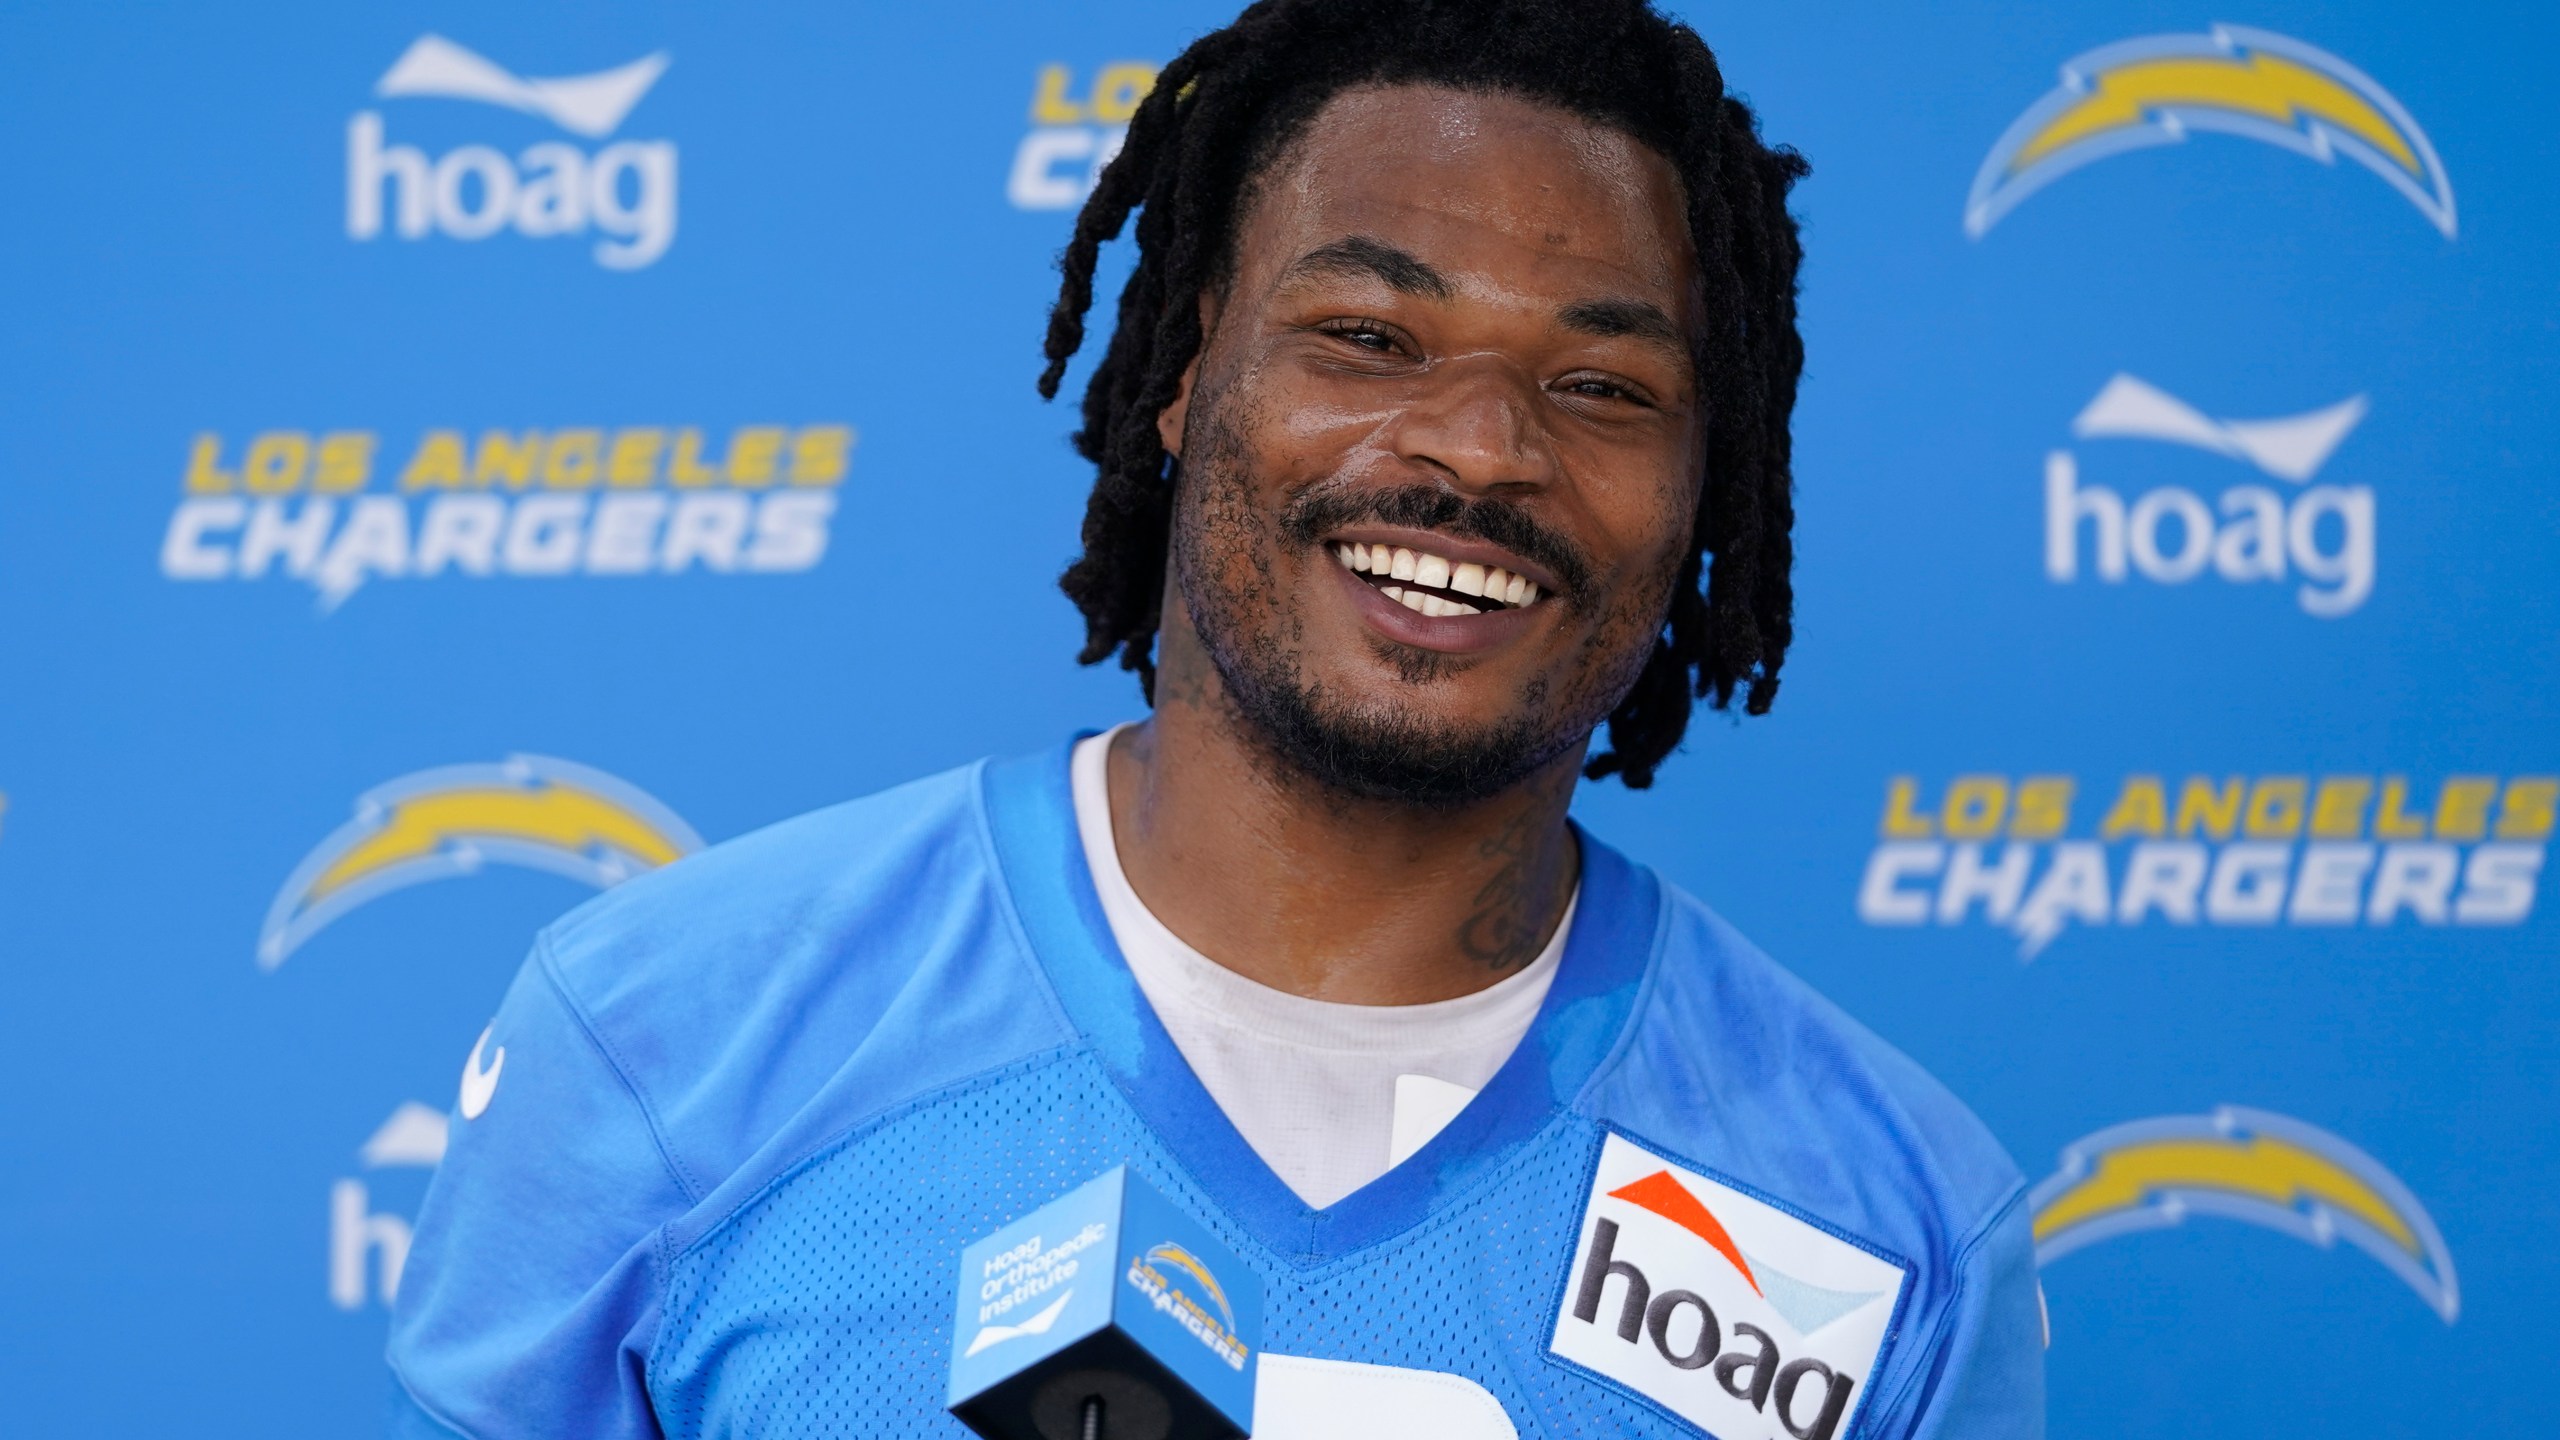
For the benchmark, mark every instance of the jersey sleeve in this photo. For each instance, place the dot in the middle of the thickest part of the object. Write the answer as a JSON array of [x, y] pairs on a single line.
[[531, 1292], [1990, 1380]]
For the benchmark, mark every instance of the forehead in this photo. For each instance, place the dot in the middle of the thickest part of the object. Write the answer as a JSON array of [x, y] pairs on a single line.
[[1479, 181]]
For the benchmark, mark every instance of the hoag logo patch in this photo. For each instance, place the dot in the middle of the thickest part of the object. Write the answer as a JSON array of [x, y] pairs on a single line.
[[1725, 1310]]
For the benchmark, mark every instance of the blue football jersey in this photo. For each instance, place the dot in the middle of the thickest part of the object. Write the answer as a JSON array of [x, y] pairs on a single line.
[[722, 1147]]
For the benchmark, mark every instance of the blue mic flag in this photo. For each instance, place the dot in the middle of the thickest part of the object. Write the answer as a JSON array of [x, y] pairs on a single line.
[[1106, 1314]]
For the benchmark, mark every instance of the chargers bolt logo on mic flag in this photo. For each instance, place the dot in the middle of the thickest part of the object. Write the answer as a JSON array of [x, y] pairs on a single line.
[[1106, 1314]]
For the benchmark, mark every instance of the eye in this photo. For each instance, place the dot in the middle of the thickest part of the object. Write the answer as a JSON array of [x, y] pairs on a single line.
[[1602, 387], [1368, 335]]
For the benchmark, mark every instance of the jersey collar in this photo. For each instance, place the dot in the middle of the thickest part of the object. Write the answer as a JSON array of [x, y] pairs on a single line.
[[1617, 930]]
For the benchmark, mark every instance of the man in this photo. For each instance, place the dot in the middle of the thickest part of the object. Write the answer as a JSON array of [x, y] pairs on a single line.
[[1461, 340]]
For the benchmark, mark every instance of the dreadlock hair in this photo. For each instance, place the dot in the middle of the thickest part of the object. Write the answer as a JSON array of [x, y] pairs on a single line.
[[1228, 106]]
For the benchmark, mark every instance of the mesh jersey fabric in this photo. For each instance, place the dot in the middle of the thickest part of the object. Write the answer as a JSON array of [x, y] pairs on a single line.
[[740, 1356], [753, 1105]]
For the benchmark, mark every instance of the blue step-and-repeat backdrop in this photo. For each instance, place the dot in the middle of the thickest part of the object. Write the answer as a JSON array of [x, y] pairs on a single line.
[[453, 457]]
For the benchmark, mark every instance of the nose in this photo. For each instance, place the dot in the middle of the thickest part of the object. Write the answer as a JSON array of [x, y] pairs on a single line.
[[1474, 421]]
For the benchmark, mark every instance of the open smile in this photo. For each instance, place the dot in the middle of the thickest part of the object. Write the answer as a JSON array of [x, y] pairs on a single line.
[[1435, 585]]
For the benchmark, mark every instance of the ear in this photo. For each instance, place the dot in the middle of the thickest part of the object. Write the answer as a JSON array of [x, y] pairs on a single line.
[[1173, 419]]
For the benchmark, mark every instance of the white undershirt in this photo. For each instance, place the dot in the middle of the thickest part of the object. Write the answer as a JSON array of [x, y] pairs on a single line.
[[1331, 1096]]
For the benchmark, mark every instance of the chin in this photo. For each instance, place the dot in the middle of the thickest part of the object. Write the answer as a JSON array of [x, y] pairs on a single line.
[[1418, 755]]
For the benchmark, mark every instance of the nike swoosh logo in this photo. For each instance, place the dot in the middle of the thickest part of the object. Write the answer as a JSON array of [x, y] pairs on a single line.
[[478, 1085], [1039, 1324], [589, 105]]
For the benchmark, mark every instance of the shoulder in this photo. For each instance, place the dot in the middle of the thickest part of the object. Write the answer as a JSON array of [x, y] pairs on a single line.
[[670, 1047], [745, 909], [1738, 1062], [798, 976]]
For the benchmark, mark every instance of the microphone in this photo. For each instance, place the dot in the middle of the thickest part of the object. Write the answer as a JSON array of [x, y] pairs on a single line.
[[1106, 1314]]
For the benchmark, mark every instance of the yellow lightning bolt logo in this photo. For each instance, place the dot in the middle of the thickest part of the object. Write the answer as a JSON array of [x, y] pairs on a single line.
[[2254, 1166], [2251, 83], [530, 811], [559, 817], [1172, 1254], [2269, 87], [2244, 1165]]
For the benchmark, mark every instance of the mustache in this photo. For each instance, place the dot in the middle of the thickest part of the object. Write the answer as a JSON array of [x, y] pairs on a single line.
[[1315, 513]]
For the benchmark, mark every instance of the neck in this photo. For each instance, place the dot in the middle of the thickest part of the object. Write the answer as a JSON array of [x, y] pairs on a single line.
[[1319, 894]]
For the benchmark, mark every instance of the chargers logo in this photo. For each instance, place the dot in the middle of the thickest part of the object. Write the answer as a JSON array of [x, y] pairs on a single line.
[[1074, 135], [2247, 851], [1722, 1308], [2244, 1165], [539, 503], [540, 813], [1178, 1283], [2252, 83], [1189, 1264]]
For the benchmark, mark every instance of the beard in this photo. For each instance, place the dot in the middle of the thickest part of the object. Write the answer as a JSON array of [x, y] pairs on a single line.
[[1367, 746]]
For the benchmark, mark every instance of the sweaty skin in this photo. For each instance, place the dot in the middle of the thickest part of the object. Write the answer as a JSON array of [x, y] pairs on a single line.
[[1432, 289]]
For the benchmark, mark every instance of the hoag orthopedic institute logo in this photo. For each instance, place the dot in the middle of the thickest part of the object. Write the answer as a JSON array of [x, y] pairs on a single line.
[[2322, 535], [624, 191], [1724, 1309]]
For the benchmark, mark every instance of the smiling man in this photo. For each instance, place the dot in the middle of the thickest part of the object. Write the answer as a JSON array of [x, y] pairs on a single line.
[[1444, 425]]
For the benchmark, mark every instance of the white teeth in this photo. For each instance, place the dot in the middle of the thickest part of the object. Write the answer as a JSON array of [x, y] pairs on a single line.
[[1498, 586]]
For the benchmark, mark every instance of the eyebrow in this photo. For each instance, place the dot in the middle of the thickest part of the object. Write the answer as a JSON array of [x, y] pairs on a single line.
[[1361, 255], [1410, 274], [1641, 319]]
